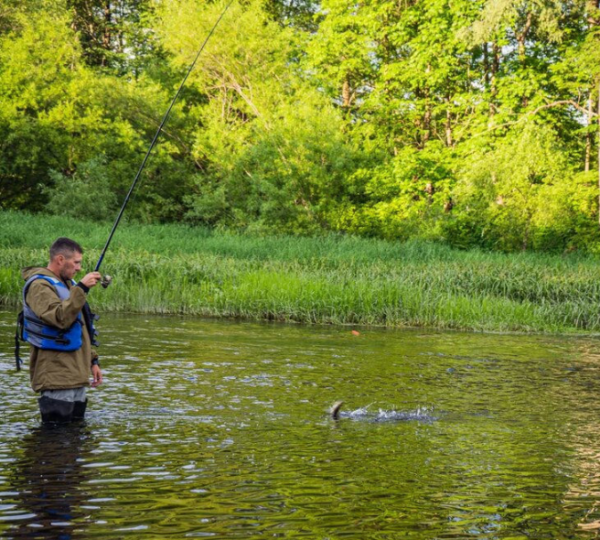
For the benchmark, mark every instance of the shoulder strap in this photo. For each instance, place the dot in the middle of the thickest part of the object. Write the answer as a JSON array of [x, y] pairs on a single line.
[[53, 281], [50, 280]]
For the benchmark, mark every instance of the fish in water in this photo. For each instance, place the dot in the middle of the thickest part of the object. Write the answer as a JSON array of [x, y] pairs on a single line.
[[420, 414], [335, 410]]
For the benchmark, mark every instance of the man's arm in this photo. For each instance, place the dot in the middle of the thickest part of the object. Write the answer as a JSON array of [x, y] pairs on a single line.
[[45, 303], [96, 371]]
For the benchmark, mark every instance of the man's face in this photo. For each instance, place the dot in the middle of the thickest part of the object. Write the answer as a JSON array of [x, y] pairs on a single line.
[[69, 265]]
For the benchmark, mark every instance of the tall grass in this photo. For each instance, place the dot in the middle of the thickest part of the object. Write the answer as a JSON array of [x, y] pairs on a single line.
[[332, 279]]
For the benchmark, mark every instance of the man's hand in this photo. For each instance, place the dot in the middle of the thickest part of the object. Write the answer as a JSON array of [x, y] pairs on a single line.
[[97, 375], [89, 280]]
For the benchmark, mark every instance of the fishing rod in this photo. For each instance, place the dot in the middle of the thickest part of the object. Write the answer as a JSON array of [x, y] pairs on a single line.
[[107, 279], [89, 317]]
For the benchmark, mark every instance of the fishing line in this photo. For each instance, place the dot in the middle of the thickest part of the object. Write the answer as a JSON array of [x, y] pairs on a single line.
[[152, 144]]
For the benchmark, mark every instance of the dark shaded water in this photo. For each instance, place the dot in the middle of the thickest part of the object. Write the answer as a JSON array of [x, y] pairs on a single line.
[[216, 429]]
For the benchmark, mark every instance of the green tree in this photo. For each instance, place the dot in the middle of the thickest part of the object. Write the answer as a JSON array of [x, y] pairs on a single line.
[[58, 113], [273, 145], [519, 192]]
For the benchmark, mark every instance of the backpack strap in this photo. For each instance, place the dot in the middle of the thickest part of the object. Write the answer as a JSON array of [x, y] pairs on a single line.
[[18, 338]]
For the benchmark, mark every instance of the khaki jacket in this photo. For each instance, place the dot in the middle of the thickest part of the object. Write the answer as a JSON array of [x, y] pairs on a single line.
[[56, 370]]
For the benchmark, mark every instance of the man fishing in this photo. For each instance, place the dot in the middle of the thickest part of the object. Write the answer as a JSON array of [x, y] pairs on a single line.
[[58, 324]]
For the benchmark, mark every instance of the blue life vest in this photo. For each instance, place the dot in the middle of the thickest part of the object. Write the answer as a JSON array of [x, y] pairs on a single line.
[[47, 337]]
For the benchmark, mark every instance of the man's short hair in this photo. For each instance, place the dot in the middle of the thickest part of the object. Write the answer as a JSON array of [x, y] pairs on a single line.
[[66, 247]]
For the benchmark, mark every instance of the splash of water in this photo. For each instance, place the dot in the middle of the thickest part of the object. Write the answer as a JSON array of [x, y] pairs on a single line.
[[420, 414]]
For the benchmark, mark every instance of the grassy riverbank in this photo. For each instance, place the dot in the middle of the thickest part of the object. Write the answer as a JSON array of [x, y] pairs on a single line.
[[339, 280]]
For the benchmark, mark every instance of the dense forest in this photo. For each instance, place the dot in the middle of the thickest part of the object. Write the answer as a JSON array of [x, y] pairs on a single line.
[[473, 122]]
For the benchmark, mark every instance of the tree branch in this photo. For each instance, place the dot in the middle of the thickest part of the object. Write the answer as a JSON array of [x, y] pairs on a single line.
[[537, 110]]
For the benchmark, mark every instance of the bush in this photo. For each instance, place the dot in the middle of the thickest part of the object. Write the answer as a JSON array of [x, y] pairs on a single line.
[[86, 194]]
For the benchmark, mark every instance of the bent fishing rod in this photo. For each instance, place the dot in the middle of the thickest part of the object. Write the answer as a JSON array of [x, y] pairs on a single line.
[[106, 280]]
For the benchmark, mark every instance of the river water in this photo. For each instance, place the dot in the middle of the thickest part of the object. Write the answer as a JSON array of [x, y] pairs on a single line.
[[219, 429]]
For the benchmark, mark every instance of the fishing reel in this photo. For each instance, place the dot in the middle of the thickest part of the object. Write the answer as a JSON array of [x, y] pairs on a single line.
[[106, 281]]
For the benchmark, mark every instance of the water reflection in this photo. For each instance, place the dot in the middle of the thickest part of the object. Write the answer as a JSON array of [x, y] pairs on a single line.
[[212, 429], [48, 478]]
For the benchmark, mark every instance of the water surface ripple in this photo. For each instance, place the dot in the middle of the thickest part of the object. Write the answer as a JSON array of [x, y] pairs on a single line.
[[220, 430]]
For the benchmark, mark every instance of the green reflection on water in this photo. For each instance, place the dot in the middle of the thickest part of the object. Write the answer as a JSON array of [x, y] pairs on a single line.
[[208, 428]]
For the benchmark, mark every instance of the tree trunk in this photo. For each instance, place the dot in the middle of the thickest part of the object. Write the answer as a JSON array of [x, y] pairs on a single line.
[[428, 112], [427, 122], [593, 6], [493, 81], [588, 135], [448, 123], [346, 94], [486, 66], [598, 111], [106, 31], [522, 36]]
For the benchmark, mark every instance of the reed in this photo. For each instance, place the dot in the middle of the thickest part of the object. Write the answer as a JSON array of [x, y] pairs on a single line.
[[331, 279]]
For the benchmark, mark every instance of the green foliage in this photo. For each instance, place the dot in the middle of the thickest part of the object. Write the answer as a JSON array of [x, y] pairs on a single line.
[[275, 148], [470, 122], [112, 34], [406, 197], [87, 195], [57, 114], [334, 279], [37, 63], [521, 193], [286, 177]]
